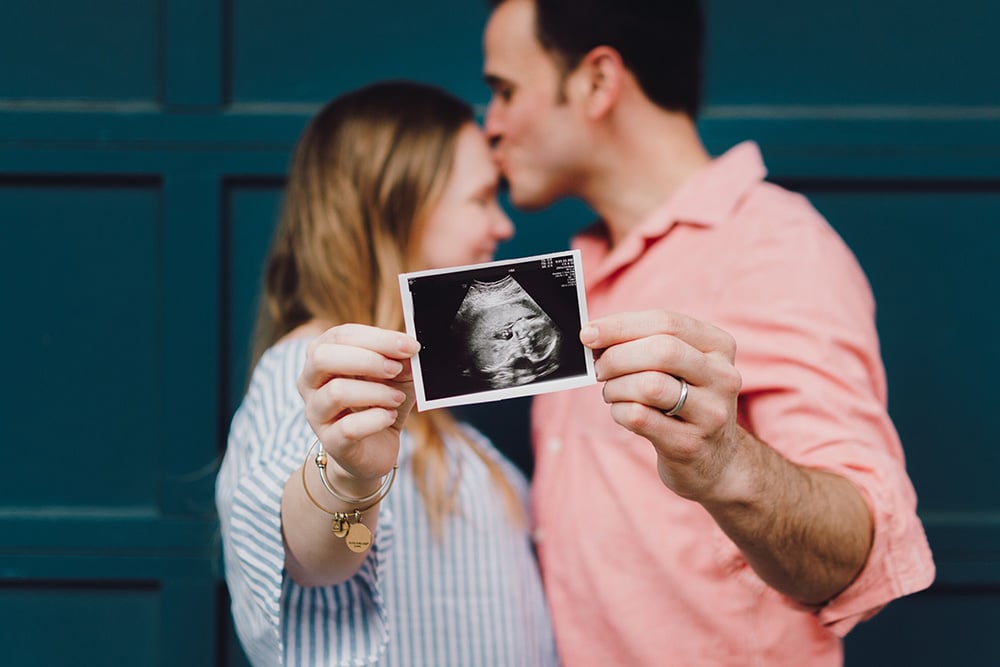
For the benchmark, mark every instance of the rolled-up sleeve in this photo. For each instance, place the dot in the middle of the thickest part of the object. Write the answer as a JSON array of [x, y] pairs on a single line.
[[815, 390]]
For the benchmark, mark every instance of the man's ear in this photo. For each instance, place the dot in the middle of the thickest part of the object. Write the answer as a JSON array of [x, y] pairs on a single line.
[[601, 73]]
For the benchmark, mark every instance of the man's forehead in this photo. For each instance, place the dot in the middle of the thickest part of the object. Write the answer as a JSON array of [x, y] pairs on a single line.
[[513, 54], [511, 30]]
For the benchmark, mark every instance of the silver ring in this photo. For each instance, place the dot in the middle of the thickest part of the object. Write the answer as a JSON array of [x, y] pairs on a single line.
[[681, 400]]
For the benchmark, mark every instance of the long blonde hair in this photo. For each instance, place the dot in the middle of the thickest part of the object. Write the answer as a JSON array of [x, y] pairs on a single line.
[[365, 173]]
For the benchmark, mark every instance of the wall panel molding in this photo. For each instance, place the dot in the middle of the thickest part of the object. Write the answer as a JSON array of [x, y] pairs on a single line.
[[143, 148]]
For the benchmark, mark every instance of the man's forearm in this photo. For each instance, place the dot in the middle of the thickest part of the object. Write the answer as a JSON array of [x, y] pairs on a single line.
[[806, 532]]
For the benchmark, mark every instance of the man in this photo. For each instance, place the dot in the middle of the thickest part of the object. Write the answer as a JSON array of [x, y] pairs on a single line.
[[773, 510]]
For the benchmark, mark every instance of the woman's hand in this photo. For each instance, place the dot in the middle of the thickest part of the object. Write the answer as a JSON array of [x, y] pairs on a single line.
[[358, 390]]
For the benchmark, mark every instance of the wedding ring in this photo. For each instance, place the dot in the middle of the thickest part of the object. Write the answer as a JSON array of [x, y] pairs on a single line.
[[681, 400]]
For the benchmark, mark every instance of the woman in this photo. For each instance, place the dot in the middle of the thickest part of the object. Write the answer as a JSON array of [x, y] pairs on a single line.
[[334, 556]]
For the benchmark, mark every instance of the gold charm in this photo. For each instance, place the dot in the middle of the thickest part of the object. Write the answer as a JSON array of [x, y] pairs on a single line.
[[339, 526], [359, 538]]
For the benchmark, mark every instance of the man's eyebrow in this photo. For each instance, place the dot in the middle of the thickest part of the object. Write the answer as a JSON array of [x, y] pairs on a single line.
[[494, 81]]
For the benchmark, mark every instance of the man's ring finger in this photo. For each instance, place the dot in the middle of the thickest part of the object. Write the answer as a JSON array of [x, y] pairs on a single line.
[[681, 400]]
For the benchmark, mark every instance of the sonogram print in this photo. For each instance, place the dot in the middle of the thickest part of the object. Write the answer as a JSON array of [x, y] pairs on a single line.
[[506, 339], [497, 330]]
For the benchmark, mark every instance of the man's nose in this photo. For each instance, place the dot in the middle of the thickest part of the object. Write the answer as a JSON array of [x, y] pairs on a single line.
[[491, 125]]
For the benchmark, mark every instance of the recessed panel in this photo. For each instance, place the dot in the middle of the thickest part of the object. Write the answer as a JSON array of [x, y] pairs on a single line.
[[79, 264], [91, 625], [328, 47], [253, 214], [932, 255], [105, 50], [936, 627], [903, 52]]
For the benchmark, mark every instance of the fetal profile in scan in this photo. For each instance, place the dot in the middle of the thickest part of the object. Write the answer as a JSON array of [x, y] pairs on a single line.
[[505, 338]]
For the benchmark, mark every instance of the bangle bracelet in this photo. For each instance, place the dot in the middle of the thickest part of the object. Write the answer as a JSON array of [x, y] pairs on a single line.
[[357, 535], [321, 464]]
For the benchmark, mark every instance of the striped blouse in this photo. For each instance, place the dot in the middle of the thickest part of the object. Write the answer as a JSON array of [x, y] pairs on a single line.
[[470, 597]]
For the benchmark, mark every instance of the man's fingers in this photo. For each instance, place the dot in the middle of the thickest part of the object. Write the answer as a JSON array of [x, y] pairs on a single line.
[[660, 393], [660, 353], [623, 327], [657, 390]]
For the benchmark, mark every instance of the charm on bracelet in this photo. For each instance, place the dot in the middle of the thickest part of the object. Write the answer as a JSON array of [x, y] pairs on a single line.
[[356, 535]]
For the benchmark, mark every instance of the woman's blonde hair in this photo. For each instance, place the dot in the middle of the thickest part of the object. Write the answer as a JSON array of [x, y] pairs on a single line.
[[365, 173]]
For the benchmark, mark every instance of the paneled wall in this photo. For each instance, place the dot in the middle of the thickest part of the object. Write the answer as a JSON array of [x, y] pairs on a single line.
[[143, 145]]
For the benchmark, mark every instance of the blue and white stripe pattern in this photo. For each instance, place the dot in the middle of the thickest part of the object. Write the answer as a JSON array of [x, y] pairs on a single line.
[[470, 597]]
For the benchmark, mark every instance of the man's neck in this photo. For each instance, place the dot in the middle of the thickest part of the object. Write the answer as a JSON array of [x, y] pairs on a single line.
[[650, 156]]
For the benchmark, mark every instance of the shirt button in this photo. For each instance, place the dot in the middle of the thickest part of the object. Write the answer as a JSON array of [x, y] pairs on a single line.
[[554, 445], [538, 535]]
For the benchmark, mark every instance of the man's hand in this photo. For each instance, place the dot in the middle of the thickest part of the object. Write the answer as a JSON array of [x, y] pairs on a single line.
[[644, 359], [804, 531]]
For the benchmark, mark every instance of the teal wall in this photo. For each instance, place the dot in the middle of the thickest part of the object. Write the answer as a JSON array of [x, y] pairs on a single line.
[[142, 150]]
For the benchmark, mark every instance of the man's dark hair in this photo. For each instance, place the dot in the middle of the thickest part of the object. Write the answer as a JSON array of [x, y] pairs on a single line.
[[660, 42]]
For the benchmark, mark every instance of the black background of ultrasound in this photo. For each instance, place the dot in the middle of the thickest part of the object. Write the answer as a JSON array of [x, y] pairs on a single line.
[[437, 298]]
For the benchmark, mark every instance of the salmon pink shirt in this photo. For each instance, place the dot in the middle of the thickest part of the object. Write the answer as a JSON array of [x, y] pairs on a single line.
[[638, 576]]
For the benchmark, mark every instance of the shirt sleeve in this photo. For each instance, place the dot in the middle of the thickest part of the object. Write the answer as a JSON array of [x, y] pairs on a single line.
[[815, 390], [267, 443]]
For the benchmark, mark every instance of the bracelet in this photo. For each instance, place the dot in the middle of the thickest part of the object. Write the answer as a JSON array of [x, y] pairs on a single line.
[[357, 535], [321, 464]]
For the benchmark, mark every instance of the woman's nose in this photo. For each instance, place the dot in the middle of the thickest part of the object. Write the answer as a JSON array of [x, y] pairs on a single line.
[[503, 228]]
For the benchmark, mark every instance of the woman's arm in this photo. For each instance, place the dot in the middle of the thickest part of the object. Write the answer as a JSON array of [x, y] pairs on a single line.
[[358, 391]]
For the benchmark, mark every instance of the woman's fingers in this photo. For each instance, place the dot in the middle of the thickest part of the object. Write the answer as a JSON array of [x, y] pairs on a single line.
[[384, 341], [354, 427], [355, 350], [341, 395]]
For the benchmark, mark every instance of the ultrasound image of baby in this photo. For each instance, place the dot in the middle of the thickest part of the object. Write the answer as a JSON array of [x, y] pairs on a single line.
[[507, 339]]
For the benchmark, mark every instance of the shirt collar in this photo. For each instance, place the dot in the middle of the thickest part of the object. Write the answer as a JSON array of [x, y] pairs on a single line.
[[709, 196], [705, 199]]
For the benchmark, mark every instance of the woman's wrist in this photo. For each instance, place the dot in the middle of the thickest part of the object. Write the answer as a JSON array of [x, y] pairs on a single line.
[[349, 511], [346, 484]]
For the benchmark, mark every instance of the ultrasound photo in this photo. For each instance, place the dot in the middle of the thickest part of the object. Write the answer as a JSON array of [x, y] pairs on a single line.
[[497, 330]]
